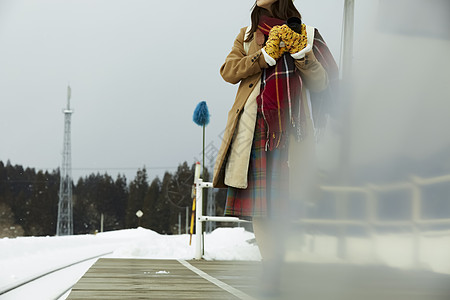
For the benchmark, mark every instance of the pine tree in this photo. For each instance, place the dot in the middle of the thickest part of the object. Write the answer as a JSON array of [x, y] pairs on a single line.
[[86, 217], [29, 200], [104, 202], [138, 190], [51, 200], [8, 226], [175, 196], [163, 206], [3, 181], [37, 206], [151, 217], [119, 199]]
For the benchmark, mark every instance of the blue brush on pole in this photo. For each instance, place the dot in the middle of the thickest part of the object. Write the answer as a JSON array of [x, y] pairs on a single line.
[[201, 118]]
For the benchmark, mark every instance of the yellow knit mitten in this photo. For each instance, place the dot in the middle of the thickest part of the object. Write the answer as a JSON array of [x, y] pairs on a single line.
[[272, 46], [294, 42]]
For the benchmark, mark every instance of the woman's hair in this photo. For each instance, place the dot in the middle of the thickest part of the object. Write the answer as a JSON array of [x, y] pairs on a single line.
[[282, 9]]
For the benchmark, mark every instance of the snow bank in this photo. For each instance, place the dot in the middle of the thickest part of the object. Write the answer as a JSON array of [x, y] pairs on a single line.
[[25, 256], [221, 244]]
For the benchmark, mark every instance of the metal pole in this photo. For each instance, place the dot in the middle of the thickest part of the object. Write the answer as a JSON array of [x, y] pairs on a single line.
[[346, 72], [187, 219], [198, 222], [415, 218], [203, 153], [101, 222], [179, 223], [347, 51]]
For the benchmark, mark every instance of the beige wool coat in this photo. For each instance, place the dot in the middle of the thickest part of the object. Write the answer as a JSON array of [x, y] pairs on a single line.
[[244, 64]]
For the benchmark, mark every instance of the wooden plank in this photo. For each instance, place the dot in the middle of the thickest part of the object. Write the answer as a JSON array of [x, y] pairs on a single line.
[[146, 279], [132, 295], [143, 279], [242, 275]]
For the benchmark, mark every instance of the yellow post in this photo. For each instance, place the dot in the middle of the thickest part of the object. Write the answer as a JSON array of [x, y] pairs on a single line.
[[191, 229]]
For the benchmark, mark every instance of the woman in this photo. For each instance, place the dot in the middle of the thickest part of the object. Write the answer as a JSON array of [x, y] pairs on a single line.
[[270, 128]]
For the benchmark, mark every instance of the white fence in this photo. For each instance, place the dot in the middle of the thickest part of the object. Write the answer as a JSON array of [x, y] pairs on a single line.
[[370, 194], [199, 217]]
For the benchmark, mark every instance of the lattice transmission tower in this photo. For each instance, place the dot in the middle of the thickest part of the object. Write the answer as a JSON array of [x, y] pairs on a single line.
[[65, 215]]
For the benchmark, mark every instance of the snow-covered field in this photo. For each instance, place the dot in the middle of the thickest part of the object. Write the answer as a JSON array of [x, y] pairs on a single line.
[[23, 257]]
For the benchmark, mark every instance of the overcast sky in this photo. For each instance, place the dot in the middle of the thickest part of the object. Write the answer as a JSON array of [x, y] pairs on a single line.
[[137, 70]]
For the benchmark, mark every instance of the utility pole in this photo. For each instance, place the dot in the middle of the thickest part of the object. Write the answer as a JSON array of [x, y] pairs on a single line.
[[347, 39], [65, 215], [346, 115]]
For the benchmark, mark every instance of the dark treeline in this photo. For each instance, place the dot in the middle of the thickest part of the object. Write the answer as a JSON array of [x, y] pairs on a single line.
[[29, 201]]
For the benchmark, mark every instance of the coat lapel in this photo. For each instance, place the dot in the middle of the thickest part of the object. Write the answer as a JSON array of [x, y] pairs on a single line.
[[255, 44]]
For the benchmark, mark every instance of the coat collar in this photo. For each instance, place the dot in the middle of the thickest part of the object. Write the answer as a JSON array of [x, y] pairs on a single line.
[[252, 46]]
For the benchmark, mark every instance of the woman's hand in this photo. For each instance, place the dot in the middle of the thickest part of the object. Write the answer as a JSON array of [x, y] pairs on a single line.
[[293, 41], [272, 47], [283, 39]]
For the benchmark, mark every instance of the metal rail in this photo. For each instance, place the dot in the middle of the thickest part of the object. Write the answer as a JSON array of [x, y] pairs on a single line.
[[200, 218], [369, 194]]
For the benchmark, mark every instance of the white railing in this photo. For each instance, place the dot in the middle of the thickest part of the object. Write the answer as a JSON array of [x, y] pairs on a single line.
[[199, 217], [371, 195], [368, 193]]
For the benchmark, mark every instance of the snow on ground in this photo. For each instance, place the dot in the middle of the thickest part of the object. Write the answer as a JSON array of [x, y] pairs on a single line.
[[22, 257], [221, 244]]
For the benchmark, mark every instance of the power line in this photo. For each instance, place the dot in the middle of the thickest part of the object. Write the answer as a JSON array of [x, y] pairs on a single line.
[[125, 168], [110, 168]]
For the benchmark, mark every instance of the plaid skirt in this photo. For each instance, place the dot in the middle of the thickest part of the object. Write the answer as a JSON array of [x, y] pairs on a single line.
[[268, 180]]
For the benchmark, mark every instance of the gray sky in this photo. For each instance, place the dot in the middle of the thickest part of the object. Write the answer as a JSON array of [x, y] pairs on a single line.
[[137, 70]]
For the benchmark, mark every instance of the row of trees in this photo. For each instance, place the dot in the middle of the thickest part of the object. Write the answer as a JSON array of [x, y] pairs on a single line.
[[29, 201]]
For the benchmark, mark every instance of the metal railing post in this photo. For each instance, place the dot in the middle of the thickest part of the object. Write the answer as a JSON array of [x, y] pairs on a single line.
[[198, 219], [416, 217], [372, 209]]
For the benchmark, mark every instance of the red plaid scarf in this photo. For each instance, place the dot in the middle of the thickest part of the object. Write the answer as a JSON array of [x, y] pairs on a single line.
[[280, 99]]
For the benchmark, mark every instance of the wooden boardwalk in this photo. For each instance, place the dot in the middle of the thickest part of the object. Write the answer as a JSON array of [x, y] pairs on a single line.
[[165, 279], [172, 279]]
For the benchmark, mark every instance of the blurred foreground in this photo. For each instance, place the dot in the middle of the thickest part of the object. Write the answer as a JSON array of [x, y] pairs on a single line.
[[384, 169]]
